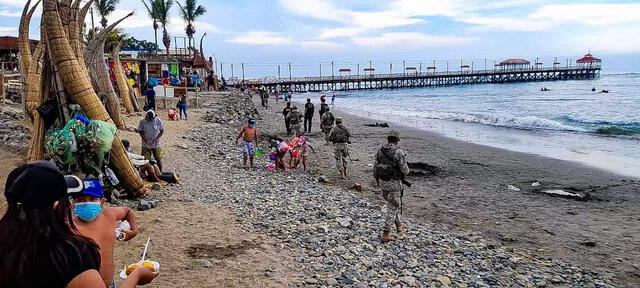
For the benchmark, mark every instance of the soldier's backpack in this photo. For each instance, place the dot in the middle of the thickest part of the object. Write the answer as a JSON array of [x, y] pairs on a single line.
[[339, 135], [387, 168], [323, 108], [295, 118], [328, 119]]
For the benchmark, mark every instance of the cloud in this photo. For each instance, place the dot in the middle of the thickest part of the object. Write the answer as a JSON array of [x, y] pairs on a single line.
[[613, 40], [591, 14], [10, 13], [254, 38], [15, 3], [8, 31], [410, 40], [321, 45], [550, 16]]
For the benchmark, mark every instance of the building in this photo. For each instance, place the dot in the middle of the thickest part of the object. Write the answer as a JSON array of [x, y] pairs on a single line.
[[588, 61], [9, 54], [511, 64]]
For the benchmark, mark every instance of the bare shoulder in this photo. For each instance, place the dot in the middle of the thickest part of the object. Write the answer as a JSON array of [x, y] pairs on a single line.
[[115, 213]]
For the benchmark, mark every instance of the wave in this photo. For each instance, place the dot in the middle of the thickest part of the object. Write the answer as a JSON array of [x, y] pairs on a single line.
[[564, 123], [524, 122]]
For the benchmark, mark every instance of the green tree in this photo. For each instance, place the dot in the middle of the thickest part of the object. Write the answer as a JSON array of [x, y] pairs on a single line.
[[152, 10], [105, 8], [162, 8], [189, 12]]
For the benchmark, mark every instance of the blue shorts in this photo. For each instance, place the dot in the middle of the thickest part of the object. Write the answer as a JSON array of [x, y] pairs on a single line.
[[248, 148]]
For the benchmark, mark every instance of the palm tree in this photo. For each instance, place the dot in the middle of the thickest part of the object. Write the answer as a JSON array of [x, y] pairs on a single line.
[[153, 14], [105, 7], [162, 9], [190, 11]]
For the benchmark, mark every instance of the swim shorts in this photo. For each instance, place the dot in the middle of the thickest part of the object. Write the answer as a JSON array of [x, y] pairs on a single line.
[[248, 148]]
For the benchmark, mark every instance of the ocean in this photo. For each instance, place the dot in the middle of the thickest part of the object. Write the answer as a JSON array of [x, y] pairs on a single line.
[[568, 122]]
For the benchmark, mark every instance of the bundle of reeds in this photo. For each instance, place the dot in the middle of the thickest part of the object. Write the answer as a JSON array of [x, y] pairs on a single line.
[[61, 53]]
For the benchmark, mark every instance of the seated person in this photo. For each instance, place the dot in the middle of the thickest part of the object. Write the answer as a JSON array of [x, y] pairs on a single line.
[[172, 114], [99, 224], [147, 170]]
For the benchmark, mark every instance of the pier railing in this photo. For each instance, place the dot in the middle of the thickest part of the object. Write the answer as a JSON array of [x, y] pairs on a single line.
[[410, 75]]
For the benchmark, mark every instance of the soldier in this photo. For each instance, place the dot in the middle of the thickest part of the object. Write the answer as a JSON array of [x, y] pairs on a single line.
[[327, 122], [323, 109], [295, 121], [389, 170], [339, 136]]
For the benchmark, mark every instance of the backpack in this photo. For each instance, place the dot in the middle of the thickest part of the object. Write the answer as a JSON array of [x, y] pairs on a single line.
[[387, 168], [339, 135], [295, 117], [328, 120]]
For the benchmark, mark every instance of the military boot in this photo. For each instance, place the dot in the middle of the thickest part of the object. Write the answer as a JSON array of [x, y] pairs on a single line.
[[400, 227], [386, 235]]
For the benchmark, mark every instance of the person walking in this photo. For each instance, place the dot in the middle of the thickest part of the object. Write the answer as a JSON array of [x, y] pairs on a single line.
[[333, 99], [151, 130], [308, 116], [287, 120], [340, 137], [327, 123], [249, 134], [151, 98], [211, 84], [182, 105], [389, 170], [265, 99], [323, 109], [39, 242], [295, 121]]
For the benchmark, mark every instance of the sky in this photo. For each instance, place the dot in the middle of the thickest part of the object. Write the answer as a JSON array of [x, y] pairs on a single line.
[[263, 34]]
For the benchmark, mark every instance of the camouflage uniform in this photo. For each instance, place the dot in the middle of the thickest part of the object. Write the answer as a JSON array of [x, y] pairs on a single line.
[[392, 155], [327, 123], [339, 136], [295, 119]]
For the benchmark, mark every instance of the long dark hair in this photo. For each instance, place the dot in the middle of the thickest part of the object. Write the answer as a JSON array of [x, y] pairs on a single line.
[[27, 235]]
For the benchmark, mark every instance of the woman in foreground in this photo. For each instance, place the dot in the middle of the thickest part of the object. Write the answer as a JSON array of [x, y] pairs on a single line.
[[39, 244]]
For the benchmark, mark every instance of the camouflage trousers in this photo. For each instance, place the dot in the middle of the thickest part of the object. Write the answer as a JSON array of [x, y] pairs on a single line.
[[342, 154], [296, 129], [327, 129], [391, 191]]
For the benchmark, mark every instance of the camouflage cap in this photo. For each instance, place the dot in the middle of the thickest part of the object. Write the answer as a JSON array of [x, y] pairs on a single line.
[[394, 133], [338, 120]]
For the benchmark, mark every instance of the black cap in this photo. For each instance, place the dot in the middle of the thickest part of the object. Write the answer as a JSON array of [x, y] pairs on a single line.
[[35, 185]]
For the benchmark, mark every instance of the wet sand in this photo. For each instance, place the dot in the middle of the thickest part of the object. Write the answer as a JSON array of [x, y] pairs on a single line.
[[469, 192]]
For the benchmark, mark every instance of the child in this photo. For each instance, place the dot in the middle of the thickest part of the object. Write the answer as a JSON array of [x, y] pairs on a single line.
[[303, 151], [172, 114], [99, 224], [249, 135], [280, 148]]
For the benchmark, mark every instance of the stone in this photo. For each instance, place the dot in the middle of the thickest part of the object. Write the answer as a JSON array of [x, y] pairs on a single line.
[[513, 188], [444, 280], [344, 222], [204, 263], [331, 282], [589, 243], [144, 205], [409, 280]]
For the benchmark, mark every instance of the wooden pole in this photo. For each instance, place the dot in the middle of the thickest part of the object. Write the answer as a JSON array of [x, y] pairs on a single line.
[[242, 71], [320, 70], [289, 70], [278, 71], [231, 70]]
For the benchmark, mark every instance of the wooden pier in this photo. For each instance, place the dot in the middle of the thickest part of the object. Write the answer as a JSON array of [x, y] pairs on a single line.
[[430, 79]]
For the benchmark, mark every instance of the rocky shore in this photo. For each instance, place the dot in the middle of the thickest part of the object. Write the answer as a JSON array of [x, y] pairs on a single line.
[[332, 233]]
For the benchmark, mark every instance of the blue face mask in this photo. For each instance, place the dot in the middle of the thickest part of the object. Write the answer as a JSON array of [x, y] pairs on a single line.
[[87, 211], [252, 125]]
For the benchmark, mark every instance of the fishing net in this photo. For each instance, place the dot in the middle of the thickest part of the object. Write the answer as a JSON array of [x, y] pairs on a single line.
[[81, 139]]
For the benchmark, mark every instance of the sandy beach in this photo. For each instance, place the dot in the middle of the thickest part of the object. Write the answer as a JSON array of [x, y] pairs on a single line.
[[225, 226]]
